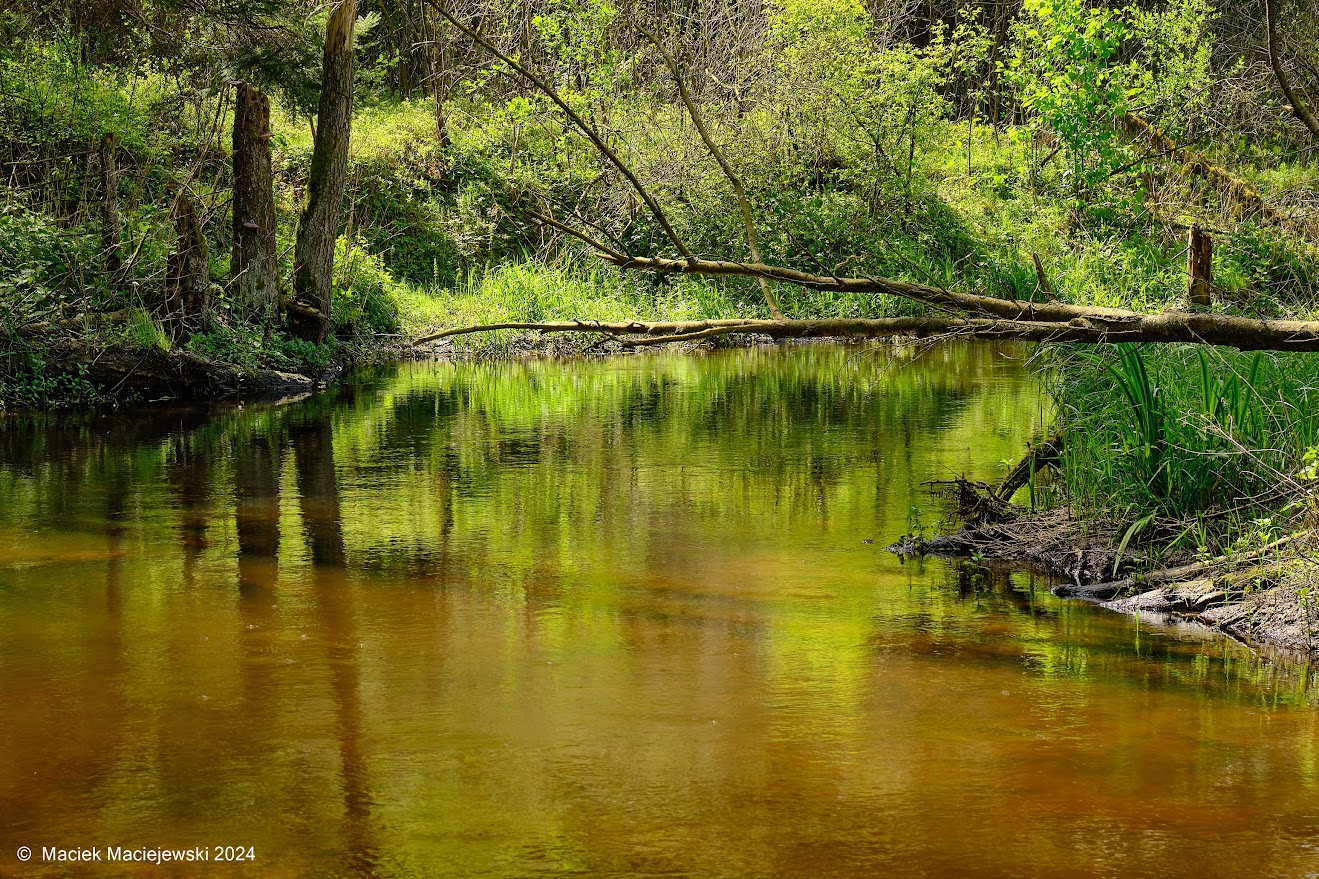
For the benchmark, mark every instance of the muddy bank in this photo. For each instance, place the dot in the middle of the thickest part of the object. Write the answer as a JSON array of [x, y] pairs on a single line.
[[128, 374], [1265, 598], [151, 375]]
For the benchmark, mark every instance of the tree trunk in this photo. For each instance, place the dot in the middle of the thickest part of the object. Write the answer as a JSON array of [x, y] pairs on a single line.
[[110, 229], [254, 271], [434, 57], [1199, 267], [313, 256], [188, 276]]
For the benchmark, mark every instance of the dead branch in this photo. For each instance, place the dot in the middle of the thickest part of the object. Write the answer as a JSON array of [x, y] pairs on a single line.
[[582, 125], [1219, 176], [1297, 103]]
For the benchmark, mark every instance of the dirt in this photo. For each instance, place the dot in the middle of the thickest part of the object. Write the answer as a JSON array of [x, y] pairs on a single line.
[[1266, 599]]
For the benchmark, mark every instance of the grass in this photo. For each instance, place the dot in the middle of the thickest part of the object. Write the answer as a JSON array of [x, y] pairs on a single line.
[[532, 292], [1187, 431]]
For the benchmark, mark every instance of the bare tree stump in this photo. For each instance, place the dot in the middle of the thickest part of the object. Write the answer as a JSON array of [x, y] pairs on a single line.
[[254, 271], [1199, 267]]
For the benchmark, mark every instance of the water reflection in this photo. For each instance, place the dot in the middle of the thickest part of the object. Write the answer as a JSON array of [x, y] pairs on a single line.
[[605, 618]]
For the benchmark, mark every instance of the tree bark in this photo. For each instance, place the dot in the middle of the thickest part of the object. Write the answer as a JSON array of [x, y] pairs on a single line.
[[254, 270], [1199, 267], [313, 256], [110, 227], [1297, 103], [188, 276], [1244, 334]]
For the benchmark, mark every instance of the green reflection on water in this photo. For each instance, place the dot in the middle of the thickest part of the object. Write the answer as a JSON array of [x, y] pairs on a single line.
[[614, 617]]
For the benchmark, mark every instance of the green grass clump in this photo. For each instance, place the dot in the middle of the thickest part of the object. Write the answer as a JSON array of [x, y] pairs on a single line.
[[1183, 431]]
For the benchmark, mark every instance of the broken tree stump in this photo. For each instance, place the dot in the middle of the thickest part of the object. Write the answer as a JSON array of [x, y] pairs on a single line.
[[1199, 266]]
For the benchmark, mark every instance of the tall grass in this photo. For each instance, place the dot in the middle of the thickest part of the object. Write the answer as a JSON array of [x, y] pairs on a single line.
[[1183, 430], [533, 291]]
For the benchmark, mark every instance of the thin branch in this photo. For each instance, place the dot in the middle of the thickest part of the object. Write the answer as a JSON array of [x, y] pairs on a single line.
[[1298, 104], [718, 154], [582, 125]]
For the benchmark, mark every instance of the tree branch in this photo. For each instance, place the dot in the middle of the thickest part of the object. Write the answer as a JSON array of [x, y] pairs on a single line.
[[732, 175], [1298, 105], [582, 125]]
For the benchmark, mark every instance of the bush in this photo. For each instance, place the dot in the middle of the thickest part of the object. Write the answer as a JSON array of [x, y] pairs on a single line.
[[363, 293]]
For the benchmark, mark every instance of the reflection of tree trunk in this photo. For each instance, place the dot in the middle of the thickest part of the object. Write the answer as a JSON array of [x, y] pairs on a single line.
[[189, 477], [313, 446], [115, 505], [256, 489]]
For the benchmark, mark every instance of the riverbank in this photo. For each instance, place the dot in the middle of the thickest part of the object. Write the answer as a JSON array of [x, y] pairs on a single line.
[[1263, 596], [72, 372]]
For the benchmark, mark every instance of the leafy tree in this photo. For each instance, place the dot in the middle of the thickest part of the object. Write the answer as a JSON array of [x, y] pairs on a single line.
[[1068, 73]]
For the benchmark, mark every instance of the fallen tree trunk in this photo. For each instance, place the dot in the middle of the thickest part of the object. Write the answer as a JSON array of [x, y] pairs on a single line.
[[971, 314], [1091, 326]]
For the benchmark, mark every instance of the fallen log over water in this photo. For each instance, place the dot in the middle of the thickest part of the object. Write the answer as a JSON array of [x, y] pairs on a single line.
[[1067, 324]]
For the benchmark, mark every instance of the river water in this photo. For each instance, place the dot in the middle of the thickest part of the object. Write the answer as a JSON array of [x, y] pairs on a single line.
[[627, 617]]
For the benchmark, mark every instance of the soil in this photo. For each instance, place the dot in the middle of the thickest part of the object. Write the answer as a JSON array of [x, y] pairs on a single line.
[[1263, 599]]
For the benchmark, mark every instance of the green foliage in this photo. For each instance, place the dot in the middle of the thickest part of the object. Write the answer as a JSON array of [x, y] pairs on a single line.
[[363, 293], [53, 99], [576, 34], [27, 383], [1171, 76], [1067, 71], [238, 343], [42, 266], [250, 347], [1182, 430], [144, 331], [1148, 434]]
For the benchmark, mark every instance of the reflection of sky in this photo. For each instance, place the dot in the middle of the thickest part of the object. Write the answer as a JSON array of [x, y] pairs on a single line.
[[608, 618]]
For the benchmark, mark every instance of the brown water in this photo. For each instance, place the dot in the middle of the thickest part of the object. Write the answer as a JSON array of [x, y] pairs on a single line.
[[618, 618]]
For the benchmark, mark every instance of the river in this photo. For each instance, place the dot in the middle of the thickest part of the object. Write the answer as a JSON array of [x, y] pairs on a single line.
[[620, 617]]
